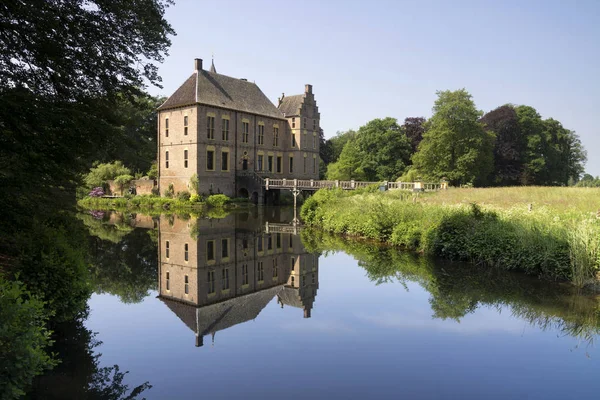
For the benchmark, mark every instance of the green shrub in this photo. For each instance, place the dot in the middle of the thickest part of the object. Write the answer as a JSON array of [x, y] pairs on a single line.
[[195, 198], [23, 339], [217, 200], [170, 191], [183, 195]]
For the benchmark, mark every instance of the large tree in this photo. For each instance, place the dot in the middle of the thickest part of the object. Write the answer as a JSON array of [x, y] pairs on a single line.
[[380, 151], [509, 149], [414, 128], [455, 145]]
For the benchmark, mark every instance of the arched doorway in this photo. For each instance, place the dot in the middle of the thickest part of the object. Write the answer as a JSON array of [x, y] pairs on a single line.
[[245, 164], [243, 193]]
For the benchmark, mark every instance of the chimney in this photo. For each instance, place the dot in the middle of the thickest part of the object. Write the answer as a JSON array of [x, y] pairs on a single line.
[[198, 64], [307, 88], [199, 338], [307, 313]]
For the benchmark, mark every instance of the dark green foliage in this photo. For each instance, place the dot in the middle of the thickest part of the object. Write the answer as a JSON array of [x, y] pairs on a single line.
[[79, 374], [335, 145], [379, 151], [509, 148], [589, 181], [183, 196], [23, 339], [414, 128], [455, 145], [127, 268]]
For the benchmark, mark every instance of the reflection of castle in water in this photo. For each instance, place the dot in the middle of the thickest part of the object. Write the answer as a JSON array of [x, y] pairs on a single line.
[[217, 273]]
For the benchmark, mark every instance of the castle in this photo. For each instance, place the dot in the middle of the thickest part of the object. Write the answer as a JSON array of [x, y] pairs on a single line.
[[228, 134]]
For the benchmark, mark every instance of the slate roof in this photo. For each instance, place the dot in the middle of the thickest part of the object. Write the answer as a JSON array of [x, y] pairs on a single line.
[[223, 315], [290, 105], [210, 88], [291, 297]]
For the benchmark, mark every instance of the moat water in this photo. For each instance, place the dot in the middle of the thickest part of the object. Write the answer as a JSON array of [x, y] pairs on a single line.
[[246, 306]]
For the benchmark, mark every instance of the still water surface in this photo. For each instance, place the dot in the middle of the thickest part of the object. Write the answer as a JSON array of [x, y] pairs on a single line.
[[219, 308]]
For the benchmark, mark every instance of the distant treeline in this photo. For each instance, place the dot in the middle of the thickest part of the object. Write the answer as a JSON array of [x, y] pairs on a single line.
[[511, 145]]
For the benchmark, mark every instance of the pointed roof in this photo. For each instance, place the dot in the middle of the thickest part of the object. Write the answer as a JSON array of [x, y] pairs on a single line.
[[291, 105], [212, 89], [212, 67], [219, 316]]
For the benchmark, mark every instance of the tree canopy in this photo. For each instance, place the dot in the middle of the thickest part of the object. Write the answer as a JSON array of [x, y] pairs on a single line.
[[455, 145], [380, 151]]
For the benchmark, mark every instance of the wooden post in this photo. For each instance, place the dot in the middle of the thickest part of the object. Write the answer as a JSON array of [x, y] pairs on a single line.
[[337, 184], [352, 183], [267, 183]]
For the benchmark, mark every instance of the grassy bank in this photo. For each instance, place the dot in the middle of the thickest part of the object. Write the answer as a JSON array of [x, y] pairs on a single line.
[[558, 239], [157, 204]]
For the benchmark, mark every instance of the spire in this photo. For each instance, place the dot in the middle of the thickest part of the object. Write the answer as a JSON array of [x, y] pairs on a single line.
[[212, 66]]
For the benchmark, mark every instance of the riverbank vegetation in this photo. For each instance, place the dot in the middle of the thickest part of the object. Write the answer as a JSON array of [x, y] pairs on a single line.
[[552, 239], [508, 146]]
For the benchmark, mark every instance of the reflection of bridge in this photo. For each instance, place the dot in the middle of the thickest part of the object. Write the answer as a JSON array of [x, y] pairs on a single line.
[[292, 228]]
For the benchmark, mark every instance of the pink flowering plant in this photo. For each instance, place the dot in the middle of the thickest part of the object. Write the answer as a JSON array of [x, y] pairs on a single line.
[[97, 192]]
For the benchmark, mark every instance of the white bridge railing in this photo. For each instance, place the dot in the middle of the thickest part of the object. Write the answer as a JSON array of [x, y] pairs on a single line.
[[311, 184]]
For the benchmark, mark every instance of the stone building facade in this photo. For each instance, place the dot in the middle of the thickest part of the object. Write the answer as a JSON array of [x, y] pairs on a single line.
[[226, 132]]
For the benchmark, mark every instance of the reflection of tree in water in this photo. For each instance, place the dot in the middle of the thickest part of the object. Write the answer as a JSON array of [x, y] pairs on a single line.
[[127, 268], [459, 289], [79, 375]]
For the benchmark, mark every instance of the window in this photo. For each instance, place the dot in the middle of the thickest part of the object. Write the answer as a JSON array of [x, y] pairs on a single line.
[[186, 284], [167, 249], [245, 131], [261, 134], [166, 127], [225, 160], [225, 279], [279, 164], [168, 281], [293, 140], [210, 160], [291, 164], [245, 274], [260, 244], [304, 170], [210, 127], [314, 165], [259, 164], [185, 125], [225, 248], [166, 159], [314, 141], [185, 159], [313, 278], [270, 242], [275, 269], [314, 124], [261, 271], [304, 123], [275, 136], [270, 163], [211, 282], [185, 252], [293, 122], [225, 129], [244, 244], [292, 281], [293, 263], [291, 242], [210, 250], [278, 240]]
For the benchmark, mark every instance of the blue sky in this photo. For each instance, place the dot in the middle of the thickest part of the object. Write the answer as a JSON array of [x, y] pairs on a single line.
[[374, 59]]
